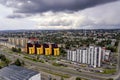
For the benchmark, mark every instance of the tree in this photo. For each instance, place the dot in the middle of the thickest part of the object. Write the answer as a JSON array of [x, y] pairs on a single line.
[[113, 49], [110, 79], [78, 78], [63, 52], [2, 57], [37, 57], [18, 63], [7, 62], [14, 49], [62, 78], [19, 50]]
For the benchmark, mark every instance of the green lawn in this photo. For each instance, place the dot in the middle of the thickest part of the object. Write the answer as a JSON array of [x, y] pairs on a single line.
[[109, 71], [59, 65], [33, 59]]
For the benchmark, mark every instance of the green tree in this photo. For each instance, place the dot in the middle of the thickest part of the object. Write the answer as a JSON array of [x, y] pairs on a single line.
[[18, 63], [63, 52], [78, 78], [62, 78], [19, 50], [113, 49], [110, 79], [14, 49], [7, 62], [2, 57]]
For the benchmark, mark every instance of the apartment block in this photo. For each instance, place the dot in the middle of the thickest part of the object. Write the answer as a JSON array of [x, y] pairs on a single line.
[[43, 49], [92, 55]]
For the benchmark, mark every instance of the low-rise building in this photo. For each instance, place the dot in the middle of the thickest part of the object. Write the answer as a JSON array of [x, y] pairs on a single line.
[[18, 73]]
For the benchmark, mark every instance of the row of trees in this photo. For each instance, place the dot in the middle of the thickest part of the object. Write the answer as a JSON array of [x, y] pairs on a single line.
[[113, 49], [79, 42], [16, 49], [104, 43], [63, 52], [4, 61]]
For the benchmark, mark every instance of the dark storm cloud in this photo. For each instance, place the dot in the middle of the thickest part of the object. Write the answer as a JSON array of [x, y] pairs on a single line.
[[39, 6], [15, 16]]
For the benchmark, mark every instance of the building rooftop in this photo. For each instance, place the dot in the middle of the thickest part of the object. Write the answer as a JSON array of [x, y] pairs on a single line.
[[16, 73]]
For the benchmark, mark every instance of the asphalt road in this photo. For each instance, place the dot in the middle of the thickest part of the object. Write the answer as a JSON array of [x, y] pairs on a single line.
[[117, 77], [43, 66]]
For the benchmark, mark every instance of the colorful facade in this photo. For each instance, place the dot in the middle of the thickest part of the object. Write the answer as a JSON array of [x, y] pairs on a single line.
[[43, 49]]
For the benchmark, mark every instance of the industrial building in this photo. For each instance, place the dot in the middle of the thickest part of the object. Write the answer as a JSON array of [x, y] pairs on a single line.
[[13, 72], [93, 56]]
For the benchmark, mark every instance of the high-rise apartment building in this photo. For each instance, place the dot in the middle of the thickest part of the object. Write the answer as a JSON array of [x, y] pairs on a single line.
[[92, 56]]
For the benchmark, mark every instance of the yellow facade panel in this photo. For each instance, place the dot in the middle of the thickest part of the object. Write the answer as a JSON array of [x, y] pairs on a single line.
[[48, 51], [56, 52], [31, 50], [40, 51]]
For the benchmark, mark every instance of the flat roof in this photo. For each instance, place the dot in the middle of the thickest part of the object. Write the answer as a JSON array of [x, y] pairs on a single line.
[[13, 72]]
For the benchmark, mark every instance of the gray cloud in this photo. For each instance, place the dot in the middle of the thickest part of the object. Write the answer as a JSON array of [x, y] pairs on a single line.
[[62, 14], [38, 6], [104, 16], [15, 16]]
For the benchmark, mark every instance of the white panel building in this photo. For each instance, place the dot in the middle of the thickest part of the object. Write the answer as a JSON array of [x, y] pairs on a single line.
[[74, 56], [91, 52], [92, 56]]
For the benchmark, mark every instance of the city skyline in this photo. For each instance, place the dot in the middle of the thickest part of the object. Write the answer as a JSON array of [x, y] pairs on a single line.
[[63, 14]]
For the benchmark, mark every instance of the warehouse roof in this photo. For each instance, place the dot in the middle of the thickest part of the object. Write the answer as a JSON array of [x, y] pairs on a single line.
[[16, 73]]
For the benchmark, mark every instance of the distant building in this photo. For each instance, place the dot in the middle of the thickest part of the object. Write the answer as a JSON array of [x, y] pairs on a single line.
[[18, 73], [92, 56], [14, 42], [19, 42], [31, 46], [106, 56]]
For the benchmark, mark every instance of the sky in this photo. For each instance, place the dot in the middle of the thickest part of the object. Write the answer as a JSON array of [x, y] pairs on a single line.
[[59, 14]]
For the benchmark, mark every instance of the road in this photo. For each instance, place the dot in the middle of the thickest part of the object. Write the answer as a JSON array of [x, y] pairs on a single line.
[[117, 77], [43, 66]]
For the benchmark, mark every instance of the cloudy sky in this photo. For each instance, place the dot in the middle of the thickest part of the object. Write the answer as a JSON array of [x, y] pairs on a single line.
[[59, 14]]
